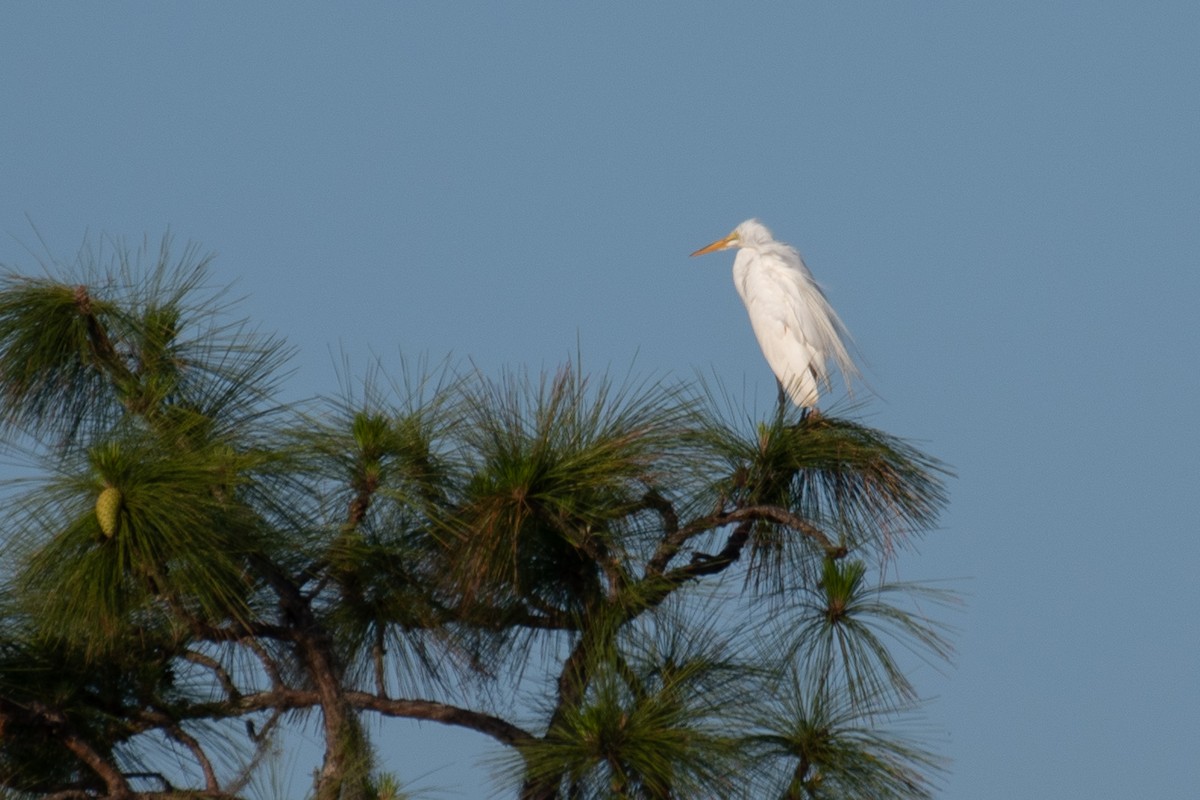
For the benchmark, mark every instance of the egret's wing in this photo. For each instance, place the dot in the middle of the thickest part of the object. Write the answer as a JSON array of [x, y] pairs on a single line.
[[783, 336], [796, 327], [819, 322]]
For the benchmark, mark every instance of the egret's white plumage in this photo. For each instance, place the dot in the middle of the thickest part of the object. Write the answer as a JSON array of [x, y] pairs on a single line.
[[796, 327]]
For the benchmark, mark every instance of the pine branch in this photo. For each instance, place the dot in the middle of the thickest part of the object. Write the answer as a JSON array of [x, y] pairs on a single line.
[[56, 724], [222, 675], [499, 729], [704, 564]]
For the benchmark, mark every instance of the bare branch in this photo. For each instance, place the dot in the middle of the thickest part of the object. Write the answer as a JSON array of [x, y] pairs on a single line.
[[267, 662], [674, 540], [499, 729], [782, 516], [656, 502], [217, 669], [55, 722], [281, 700], [187, 740], [262, 742]]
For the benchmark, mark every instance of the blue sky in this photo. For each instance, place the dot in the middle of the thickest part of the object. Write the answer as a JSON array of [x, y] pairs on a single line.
[[1002, 201]]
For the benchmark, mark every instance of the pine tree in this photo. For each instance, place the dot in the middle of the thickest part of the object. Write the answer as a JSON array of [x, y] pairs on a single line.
[[699, 598]]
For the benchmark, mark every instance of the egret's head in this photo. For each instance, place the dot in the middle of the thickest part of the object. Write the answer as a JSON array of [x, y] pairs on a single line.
[[750, 233]]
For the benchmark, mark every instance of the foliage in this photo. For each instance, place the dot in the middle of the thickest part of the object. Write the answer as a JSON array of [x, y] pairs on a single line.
[[693, 601]]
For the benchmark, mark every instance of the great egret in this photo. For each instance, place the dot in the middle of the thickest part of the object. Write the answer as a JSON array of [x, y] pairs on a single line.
[[796, 327]]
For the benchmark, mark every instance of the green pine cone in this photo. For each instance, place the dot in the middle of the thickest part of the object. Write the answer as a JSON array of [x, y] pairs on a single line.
[[108, 510]]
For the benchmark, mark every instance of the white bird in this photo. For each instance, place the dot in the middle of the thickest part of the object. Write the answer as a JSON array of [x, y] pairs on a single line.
[[796, 327]]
